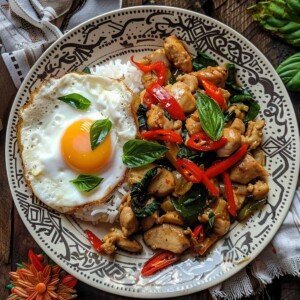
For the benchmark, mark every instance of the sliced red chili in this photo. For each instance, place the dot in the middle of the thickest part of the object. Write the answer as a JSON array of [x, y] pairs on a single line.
[[158, 262], [148, 100], [69, 281], [162, 135], [167, 101], [214, 92], [229, 193], [33, 258], [158, 67], [200, 141], [227, 163], [198, 233], [94, 240]]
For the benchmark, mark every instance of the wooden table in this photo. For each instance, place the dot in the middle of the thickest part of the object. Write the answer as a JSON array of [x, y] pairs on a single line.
[[15, 240]]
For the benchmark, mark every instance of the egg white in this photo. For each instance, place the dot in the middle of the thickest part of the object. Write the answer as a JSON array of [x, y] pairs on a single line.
[[42, 124]]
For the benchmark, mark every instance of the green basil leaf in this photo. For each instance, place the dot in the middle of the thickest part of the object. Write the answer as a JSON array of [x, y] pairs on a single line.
[[211, 219], [86, 70], [229, 116], [253, 111], [141, 116], [203, 60], [211, 116], [137, 153], [231, 79], [76, 101], [289, 72], [241, 98], [147, 210], [192, 203], [174, 74], [86, 183], [99, 130], [250, 208]]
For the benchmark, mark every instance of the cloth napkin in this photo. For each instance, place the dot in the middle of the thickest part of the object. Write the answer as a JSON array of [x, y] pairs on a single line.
[[28, 27]]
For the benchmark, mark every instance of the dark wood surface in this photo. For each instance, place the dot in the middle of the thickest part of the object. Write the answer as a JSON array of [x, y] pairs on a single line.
[[15, 240]]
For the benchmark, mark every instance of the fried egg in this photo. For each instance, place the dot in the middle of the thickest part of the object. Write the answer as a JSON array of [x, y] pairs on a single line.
[[54, 139]]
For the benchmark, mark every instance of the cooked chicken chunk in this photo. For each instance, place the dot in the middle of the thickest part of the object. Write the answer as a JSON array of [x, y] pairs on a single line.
[[247, 170], [238, 125], [216, 75], [167, 237], [181, 92], [157, 55], [260, 156], [240, 110], [177, 54], [221, 226], [116, 237], [167, 205], [128, 221], [192, 124], [148, 222], [259, 190], [135, 175], [162, 184], [171, 217], [225, 94], [240, 192], [182, 186], [148, 78], [233, 142], [190, 80], [253, 135]]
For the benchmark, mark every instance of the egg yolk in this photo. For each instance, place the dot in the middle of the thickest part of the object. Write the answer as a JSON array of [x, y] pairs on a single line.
[[77, 152]]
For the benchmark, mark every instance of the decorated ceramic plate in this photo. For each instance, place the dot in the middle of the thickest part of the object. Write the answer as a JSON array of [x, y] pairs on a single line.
[[118, 35]]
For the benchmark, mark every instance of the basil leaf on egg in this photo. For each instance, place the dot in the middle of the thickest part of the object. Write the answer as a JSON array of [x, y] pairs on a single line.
[[86, 183], [211, 116], [137, 153], [99, 130], [76, 101]]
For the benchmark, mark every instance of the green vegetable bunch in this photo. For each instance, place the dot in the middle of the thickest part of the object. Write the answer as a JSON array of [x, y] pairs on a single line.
[[281, 17]]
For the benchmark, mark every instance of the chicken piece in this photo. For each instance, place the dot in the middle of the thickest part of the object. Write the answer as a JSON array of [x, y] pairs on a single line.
[[171, 217], [192, 124], [128, 221], [181, 92], [167, 237], [190, 80], [114, 238], [206, 244], [177, 54], [182, 186], [155, 56], [221, 225], [225, 94], [259, 190], [247, 170], [260, 156], [135, 175], [162, 184], [216, 75], [239, 192], [253, 135], [239, 110], [148, 222], [238, 125], [148, 78], [233, 142], [167, 205]]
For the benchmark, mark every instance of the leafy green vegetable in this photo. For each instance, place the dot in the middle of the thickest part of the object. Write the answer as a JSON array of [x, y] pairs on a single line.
[[141, 116], [174, 74], [211, 116], [241, 98], [86, 70], [192, 203], [139, 196], [99, 130], [203, 60], [231, 79], [76, 101], [137, 153], [86, 183], [289, 72], [250, 208], [229, 116], [211, 219]]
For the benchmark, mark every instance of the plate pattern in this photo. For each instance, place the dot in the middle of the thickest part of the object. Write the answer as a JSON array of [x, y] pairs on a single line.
[[121, 34]]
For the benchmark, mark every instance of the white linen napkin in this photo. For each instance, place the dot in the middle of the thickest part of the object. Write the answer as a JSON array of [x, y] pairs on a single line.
[[28, 27]]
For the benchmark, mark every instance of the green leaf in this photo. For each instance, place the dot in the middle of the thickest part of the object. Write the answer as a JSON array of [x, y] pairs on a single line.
[[250, 208], [229, 116], [99, 130], [192, 203], [289, 72], [203, 60], [137, 153], [141, 116], [253, 111], [211, 219], [241, 98], [86, 70], [86, 183], [76, 101], [231, 79], [211, 116], [147, 210], [10, 286]]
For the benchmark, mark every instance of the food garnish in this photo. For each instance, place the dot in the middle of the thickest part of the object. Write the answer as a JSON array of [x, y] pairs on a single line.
[[98, 132], [86, 183], [76, 100]]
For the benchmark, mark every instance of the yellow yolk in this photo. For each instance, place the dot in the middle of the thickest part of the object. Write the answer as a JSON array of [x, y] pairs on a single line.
[[77, 152]]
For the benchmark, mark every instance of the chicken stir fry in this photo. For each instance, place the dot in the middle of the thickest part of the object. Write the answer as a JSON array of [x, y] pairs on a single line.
[[202, 166]]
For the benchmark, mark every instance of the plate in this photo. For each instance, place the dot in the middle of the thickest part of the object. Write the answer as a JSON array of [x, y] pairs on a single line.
[[120, 34]]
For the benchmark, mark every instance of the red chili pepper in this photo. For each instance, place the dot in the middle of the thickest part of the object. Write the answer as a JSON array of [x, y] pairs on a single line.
[[158, 67], [191, 172], [35, 261], [167, 101], [200, 141], [69, 281], [158, 262], [214, 92], [94, 240], [162, 135], [227, 163], [229, 194], [198, 233], [148, 100]]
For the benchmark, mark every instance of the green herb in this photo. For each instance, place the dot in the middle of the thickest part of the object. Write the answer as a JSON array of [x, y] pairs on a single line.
[[249, 209], [10, 286], [192, 203], [231, 79], [141, 116], [86, 70], [289, 72], [229, 116], [203, 60], [86, 183], [138, 153], [99, 130], [76, 101], [241, 98], [211, 219], [211, 116], [174, 74]]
